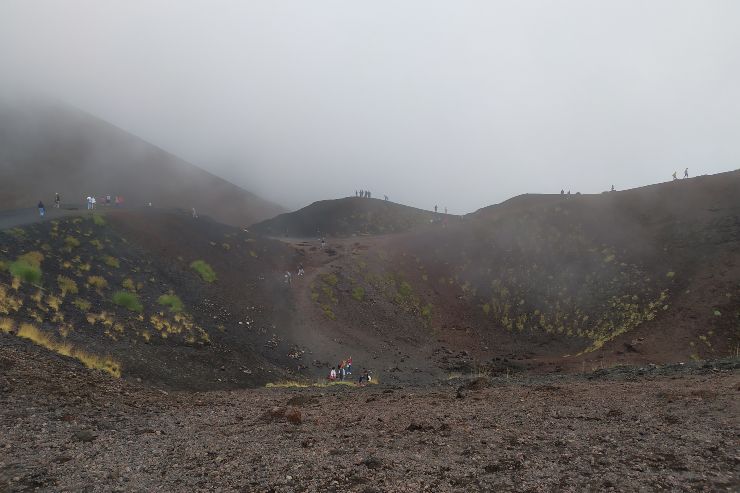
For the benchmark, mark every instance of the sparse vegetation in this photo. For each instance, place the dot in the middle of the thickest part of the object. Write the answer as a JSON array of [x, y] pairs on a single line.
[[67, 285], [358, 293], [6, 325], [97, 282], [83, 305], [206, 272], [172, 301], [128, 300], [108, 365], [98, 220], [111, 262], [128, 284], [23, 270], [330, 279], [328, 312], [71, 242]]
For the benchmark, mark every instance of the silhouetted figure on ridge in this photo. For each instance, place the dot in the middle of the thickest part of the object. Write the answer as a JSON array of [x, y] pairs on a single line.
[[674, 176], [57, 201], [686, 173], [435, 208]]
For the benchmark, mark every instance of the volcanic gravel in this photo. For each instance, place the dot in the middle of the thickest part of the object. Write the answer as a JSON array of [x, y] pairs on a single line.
[[68, 429]]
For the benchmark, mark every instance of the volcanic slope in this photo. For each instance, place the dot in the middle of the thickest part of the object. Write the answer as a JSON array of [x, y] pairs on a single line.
[[149, 294], [346, 217], [47, 148], [541, 282]]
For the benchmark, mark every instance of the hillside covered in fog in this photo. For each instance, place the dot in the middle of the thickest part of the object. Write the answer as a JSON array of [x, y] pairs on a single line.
[[48, 148]]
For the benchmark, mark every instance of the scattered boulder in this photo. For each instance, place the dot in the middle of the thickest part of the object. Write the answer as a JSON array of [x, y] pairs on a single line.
[[301, 400], [277, 413], [476, 384], [419, 426], [294, 416], [372, 462], [85, 436]]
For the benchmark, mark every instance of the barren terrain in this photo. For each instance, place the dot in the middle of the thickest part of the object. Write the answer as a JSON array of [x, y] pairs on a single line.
[[630, 429]]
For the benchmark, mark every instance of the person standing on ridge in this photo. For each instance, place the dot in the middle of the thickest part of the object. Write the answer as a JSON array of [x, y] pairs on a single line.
[[686, 173], [42, 209], [57, 201], [435, 208], [674, 176]]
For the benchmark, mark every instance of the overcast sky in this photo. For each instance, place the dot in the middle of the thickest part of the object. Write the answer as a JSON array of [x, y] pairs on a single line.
[[456, 103]]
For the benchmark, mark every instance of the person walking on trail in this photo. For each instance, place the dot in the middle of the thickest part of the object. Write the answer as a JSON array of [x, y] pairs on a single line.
[[332, 374], [42, 209], [301, 272], [288, 278], [612, 188], [57, 201], [674, 176], [686, 173], [349, 365], [435, 208]]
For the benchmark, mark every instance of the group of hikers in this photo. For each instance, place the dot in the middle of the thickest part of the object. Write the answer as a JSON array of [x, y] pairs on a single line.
[[367, 194], [107, 200], [57, 205], [342, 371], [685, 174], [289, 275], [90, 200]]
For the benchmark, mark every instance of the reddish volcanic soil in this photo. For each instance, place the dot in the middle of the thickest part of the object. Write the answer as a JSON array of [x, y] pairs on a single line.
[[649, 429]]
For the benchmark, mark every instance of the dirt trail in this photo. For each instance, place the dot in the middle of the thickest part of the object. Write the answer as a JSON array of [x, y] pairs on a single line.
[[22, 217]]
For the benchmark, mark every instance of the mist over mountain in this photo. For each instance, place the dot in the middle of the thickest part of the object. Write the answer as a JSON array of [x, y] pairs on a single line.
[[48, 148]]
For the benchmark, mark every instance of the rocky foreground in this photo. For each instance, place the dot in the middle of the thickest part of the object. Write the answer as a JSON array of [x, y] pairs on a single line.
[[65, 428]]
